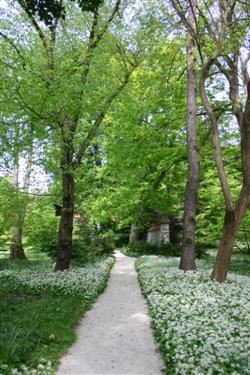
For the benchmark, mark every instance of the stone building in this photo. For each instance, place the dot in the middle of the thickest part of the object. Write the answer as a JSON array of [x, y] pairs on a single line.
[[159, 233]]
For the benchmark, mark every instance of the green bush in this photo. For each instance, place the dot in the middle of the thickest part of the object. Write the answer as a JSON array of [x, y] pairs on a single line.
[[141, 247], [91, 241], [138, 248], [201, 249], [83, 253], [88, 243], [41, 227]]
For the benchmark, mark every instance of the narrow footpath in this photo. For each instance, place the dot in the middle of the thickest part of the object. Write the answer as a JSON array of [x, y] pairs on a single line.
[[114, 337]]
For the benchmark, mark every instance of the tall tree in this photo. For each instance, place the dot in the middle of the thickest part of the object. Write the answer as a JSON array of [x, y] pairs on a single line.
[[218, 30], [68, 115], [16, 246], [189, 220], [235, 210]]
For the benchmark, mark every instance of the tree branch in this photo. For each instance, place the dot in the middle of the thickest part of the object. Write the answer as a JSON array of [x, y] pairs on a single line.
[[12, 45], [245, 74], [110, 19], [245, 141], [34, 23], [93, 42], [92, 132], [226, 15], [48, 46]]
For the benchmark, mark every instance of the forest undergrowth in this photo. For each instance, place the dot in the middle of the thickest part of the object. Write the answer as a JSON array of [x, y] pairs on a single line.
[[39, 310], [202, 326]]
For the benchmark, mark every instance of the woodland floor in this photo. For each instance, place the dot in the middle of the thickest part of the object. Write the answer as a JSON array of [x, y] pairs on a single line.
[[115, 337]]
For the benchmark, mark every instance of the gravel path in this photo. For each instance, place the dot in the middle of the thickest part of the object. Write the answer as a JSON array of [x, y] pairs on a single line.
[[114, 337]]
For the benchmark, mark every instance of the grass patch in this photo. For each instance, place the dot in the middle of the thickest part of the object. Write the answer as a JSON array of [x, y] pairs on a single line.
[[141, 247], [39, 310]]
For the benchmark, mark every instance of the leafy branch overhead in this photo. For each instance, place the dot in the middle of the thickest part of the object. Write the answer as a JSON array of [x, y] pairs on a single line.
[[51, 10]]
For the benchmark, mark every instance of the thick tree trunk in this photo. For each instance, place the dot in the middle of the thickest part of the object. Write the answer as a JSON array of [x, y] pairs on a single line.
[[64, 246], [65, 233], [134, 233], [232, 222], [224, 254], [189, 221], [16, 247]]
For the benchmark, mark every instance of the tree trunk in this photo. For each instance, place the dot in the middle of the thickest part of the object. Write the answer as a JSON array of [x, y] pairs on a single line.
[[16, 247], [65, 233], [233, 217], [189, 221], [232, 222], [64, 246], [134, 233], [224, 254]]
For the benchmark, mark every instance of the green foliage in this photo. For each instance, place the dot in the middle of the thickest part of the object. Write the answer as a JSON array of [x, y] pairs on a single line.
[[38, 320], [136, 161], [47, 11], [50, 10], [90, 5], [138, 248], [41, 225], [10, 200], [91, 241], [142, 144], [240, 262], [211, 206]]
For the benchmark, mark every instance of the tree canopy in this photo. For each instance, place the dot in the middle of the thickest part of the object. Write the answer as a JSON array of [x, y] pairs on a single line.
[[103, 86]]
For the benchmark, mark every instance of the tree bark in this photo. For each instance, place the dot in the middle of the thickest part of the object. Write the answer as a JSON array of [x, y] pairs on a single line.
[[224, 254], [234, 217], [232, 220], [16, 247], [64, 247], [134, 233], [65, 233], [189, 220]]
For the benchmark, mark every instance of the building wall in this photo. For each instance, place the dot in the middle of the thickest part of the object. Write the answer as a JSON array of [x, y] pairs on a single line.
[[164, 233], [157, 236], [153, 237]]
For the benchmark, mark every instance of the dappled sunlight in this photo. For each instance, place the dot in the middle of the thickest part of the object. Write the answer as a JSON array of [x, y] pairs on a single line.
[[141, 317], [123, 272]]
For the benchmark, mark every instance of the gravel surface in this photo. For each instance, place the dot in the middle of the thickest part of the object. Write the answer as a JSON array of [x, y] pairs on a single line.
[[114, 337]]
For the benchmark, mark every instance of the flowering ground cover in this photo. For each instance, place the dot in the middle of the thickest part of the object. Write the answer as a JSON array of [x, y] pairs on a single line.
[[39, 310], [202, 326]]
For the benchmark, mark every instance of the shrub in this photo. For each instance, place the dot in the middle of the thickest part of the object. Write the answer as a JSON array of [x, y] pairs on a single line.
[[86, 246], [201, 249], [138, 248]]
